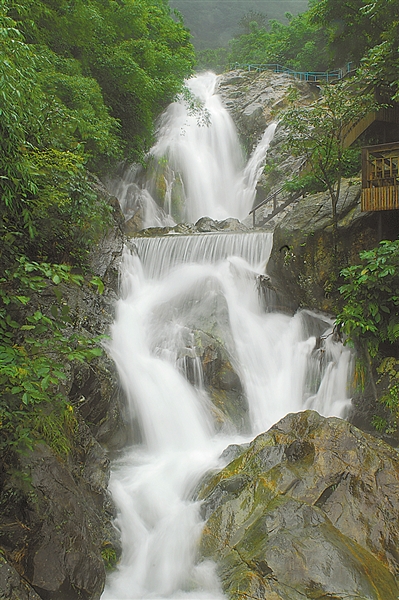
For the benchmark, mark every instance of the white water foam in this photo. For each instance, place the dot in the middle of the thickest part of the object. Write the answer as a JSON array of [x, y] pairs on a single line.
[[279, 365], [171, 287]]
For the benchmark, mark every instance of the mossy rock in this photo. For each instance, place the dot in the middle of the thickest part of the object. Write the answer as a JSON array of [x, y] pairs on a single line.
[[308, 510]]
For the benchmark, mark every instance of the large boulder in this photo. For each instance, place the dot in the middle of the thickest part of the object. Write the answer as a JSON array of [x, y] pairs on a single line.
[[308, 510]]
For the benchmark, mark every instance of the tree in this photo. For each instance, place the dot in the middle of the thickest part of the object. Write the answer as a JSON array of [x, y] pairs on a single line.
[[252, 16], [348, 26], [215, 59], [136, 52], [365, 32], [317, 133], [300, 45]]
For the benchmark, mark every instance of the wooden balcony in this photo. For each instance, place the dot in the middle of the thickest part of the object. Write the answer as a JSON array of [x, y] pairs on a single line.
[[380, 177]]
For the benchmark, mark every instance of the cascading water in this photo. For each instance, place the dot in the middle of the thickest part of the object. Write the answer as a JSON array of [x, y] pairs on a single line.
[[196, 168], [172, 287]]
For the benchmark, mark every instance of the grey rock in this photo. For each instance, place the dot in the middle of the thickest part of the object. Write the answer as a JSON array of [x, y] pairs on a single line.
[[65, 526], [12, 586], [302, 264], [309, 510]]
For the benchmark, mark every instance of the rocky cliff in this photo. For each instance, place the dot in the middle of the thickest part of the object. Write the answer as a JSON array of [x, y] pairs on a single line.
[[56, 532]]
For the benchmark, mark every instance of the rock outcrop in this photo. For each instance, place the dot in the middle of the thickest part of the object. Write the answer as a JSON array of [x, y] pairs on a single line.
[[254, 99], [12, 586], [302, 263], [308, 510]]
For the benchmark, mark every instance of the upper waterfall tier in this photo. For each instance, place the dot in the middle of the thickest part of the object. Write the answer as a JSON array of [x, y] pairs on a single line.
[[197, 166]]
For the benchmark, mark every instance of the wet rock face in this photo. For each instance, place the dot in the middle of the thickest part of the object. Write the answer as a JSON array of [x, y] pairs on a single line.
[[302, 264], [222, 382], [98, 397], [254, 98], [58, 520], [309, 510], [93, 389]]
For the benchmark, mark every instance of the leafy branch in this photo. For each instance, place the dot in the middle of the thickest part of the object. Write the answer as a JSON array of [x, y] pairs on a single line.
[[35, 350]]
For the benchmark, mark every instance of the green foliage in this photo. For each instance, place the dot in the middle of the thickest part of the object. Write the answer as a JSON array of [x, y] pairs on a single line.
[[370, 316], [78, 114], [195, 107], [215, 59], [371, 294], [46, 200], [252, 19], [33, 349], [68, 214], [109, 556], [305, 184], [21, 101], [131, 55], [389, 377], [300, 45], [363, 31]]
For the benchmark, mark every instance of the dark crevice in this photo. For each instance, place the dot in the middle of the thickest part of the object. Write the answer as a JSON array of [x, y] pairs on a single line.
[[324, 496]]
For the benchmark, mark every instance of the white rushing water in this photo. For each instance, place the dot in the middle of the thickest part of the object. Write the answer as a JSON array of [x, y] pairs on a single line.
[[170, 288], [197, 168]]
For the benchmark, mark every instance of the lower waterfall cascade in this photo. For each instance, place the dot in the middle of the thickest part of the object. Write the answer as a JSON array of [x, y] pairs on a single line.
[[173, 286]]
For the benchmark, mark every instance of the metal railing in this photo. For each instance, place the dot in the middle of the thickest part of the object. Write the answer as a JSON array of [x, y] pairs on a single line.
[[278, 205], [311, 76]]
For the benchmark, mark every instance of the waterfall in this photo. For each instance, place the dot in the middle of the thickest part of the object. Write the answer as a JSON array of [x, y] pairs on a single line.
[[196, 168], [173, 287]]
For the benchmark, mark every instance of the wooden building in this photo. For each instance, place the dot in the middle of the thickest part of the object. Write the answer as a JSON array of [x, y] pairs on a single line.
[[380, 177]]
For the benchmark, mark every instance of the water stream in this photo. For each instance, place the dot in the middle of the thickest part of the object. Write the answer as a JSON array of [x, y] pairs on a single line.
[[171, 288]]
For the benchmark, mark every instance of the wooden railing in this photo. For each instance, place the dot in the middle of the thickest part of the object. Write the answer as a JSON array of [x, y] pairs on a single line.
[[380, 198], [380, 177]]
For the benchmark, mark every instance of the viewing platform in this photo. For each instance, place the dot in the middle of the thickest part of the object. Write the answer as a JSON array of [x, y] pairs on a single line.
[[380, 177]]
